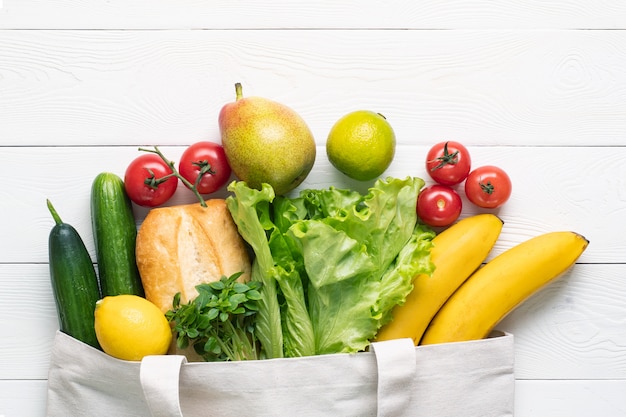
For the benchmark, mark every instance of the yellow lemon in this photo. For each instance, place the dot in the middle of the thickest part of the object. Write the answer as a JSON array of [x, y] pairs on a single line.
[[361, 144], [130, 327]]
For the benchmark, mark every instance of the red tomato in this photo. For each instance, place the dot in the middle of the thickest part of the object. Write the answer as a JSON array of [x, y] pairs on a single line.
[[438, 205], [208, 160], [488, 186], [448, 163], [148, 181]]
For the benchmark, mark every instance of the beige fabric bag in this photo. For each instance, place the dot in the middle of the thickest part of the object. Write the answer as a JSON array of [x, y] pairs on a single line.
[[394, 379]]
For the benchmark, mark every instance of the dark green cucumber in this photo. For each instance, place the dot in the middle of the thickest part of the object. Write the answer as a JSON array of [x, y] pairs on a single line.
[[74, 281], [115, 233]]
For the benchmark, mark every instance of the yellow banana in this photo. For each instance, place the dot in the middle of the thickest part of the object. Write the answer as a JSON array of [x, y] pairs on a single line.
[[502, 284], [457, 252]]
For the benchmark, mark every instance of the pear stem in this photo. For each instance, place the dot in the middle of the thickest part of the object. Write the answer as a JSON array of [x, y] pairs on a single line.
[[238, 91]]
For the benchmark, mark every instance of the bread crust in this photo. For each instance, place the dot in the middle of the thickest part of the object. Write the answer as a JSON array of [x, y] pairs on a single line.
[[181, 246]]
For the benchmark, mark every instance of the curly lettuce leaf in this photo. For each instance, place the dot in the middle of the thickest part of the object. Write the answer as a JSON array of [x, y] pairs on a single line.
[[397, 281], [356, 262], [342, 260]]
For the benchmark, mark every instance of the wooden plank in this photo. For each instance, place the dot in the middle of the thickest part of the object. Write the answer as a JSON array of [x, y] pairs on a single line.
[[23, 398], [30, 319], [532, 88], [573, 329], [550, 192], [515, 80], [570, 398], [196, 14]]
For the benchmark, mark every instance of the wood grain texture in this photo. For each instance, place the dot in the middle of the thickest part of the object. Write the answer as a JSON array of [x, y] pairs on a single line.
[[23, 398], [572, 329], [328, 14], [83, 84], [30, 322], [530, 88], [570, 398], [550, 193]]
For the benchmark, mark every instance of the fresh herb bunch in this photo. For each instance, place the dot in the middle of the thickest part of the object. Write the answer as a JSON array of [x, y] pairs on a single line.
[[219, 322]]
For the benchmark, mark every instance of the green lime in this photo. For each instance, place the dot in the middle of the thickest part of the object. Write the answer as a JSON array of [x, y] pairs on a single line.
[[361, 145]]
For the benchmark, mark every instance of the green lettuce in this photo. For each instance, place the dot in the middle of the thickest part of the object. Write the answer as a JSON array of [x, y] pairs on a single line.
[[251, 211], [333, 262]]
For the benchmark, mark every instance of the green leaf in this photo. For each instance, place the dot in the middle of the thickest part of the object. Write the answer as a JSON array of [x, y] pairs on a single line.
[[252, 306], [237, 299], [250, 209], [337, 256], [297, 326], [253, 295], [176, 301], [182, 342], [217, 323], [239, 287], [203, 322], [205, 288], [217, 285], [346, 255], [212, 346], [202, 299], [213, 313]]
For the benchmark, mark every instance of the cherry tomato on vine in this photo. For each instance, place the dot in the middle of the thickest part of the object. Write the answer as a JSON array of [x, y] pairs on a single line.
[[208, 160], [488, 186], [148, 181], [448, 163], [438, 205]]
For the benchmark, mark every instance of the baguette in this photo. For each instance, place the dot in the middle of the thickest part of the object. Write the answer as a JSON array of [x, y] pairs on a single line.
[[181, 246]]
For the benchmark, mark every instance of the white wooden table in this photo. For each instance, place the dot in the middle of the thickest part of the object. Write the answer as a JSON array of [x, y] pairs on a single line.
[[536, 87]]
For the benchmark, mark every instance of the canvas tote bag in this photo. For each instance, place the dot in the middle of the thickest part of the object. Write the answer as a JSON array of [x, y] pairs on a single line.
[[393, 379]]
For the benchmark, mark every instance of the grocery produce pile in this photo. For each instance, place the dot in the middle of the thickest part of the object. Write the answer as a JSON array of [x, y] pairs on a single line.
[[266, 273]]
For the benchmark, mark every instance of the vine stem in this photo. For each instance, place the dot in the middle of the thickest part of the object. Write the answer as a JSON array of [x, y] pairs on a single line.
[[175, 173]]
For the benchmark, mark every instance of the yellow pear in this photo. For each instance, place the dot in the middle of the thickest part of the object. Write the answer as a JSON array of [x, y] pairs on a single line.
[[266, 142]]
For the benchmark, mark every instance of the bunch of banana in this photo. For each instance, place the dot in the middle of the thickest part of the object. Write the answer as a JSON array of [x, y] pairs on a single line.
[[462, 300], [457, 252], [501, 285]]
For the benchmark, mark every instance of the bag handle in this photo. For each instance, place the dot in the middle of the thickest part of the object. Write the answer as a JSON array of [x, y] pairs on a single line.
[[159, 376], [396, 365]]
